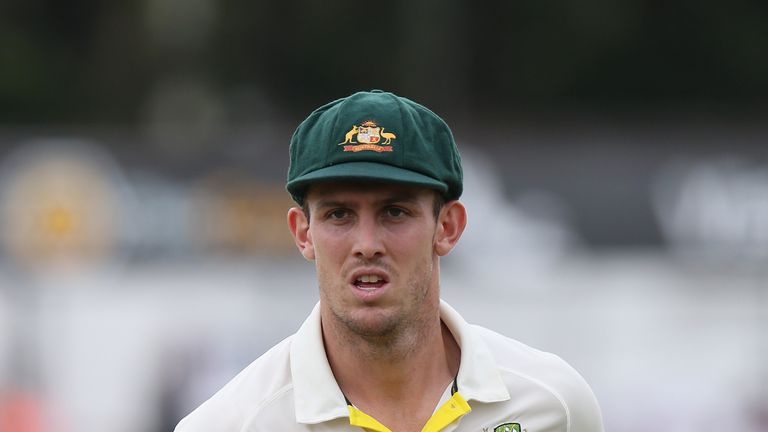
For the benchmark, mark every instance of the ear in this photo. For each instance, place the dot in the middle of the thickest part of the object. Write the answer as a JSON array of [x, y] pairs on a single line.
[[450, 225], [299, 226]]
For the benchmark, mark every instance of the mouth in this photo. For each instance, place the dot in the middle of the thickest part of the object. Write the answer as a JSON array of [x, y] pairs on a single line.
[[369, 281]]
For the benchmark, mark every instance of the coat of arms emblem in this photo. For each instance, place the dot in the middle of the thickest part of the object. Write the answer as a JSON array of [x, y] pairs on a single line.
[[369, 133], [369, 138], [507, 427]]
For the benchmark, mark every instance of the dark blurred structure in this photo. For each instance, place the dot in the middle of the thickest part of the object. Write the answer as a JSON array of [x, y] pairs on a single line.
[[99, 62]]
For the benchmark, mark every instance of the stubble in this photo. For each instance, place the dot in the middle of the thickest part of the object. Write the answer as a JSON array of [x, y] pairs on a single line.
[[384, 333]]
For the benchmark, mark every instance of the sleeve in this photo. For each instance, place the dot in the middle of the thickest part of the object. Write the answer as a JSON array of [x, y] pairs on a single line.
[[583, 409], [585, 413]]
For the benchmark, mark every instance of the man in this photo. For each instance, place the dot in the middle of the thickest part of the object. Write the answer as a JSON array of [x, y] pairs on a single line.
[[377, 178]]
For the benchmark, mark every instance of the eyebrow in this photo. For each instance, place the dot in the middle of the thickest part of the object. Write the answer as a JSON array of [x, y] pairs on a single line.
[[330, 204], [393, 199], [399, 198]]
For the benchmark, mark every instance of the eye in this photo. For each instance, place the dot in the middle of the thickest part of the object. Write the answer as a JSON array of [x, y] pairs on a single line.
[[337, 214], [395, 212]]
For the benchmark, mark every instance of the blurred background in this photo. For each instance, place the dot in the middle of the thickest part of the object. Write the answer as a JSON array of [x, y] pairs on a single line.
[[616, 181]]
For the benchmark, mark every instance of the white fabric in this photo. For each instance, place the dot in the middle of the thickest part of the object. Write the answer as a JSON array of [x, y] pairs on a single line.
[[291, 388]]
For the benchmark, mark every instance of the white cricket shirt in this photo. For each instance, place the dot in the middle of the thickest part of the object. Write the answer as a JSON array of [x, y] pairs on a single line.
[[503, 386]]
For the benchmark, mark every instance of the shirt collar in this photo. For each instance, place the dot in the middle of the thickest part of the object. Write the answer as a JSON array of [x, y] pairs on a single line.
[[479, 377], [318, 398]]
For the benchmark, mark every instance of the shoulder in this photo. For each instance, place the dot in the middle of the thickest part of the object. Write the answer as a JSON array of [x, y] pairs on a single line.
[[547, 374], [515, 355], [266, 379]]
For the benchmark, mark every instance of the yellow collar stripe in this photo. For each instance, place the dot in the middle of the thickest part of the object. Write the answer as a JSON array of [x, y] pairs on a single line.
[[453, 409], [363, 420]]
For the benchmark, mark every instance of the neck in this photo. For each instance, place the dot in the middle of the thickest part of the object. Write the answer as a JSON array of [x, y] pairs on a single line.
[[392, 368]]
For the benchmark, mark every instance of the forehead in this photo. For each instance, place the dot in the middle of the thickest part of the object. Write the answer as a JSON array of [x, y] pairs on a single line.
[[367, 191]]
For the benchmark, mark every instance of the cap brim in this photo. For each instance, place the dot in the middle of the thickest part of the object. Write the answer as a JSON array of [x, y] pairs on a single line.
[[366, 171]]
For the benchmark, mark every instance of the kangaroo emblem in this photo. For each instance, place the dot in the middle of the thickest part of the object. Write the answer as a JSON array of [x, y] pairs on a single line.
[[348, 137], [388, 137]]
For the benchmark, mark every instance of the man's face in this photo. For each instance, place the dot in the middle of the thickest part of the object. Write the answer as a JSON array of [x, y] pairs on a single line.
[[374, 250]]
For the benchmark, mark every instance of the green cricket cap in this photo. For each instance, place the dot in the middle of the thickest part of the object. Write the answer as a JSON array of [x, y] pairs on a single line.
[[374, 136]]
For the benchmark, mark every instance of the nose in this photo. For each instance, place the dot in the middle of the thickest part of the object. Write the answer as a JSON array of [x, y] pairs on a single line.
[[368, 239]]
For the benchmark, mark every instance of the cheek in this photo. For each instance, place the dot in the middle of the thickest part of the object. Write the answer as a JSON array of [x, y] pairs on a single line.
[[413, 245], [329, 247]]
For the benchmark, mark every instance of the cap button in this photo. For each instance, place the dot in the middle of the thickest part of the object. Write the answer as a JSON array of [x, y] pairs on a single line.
[[377, 91]]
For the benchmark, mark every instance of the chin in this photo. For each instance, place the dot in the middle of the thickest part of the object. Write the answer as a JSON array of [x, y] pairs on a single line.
[[372, 323]]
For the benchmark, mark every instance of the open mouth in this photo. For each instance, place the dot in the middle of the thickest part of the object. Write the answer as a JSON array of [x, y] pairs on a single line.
[[369, 281]]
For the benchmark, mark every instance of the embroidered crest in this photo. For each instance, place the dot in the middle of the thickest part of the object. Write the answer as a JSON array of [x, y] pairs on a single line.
[[369, 138], [369, 133], [508, 427]]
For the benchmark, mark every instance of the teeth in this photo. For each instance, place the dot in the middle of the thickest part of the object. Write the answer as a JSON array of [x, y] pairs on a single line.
[[369, 278]]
